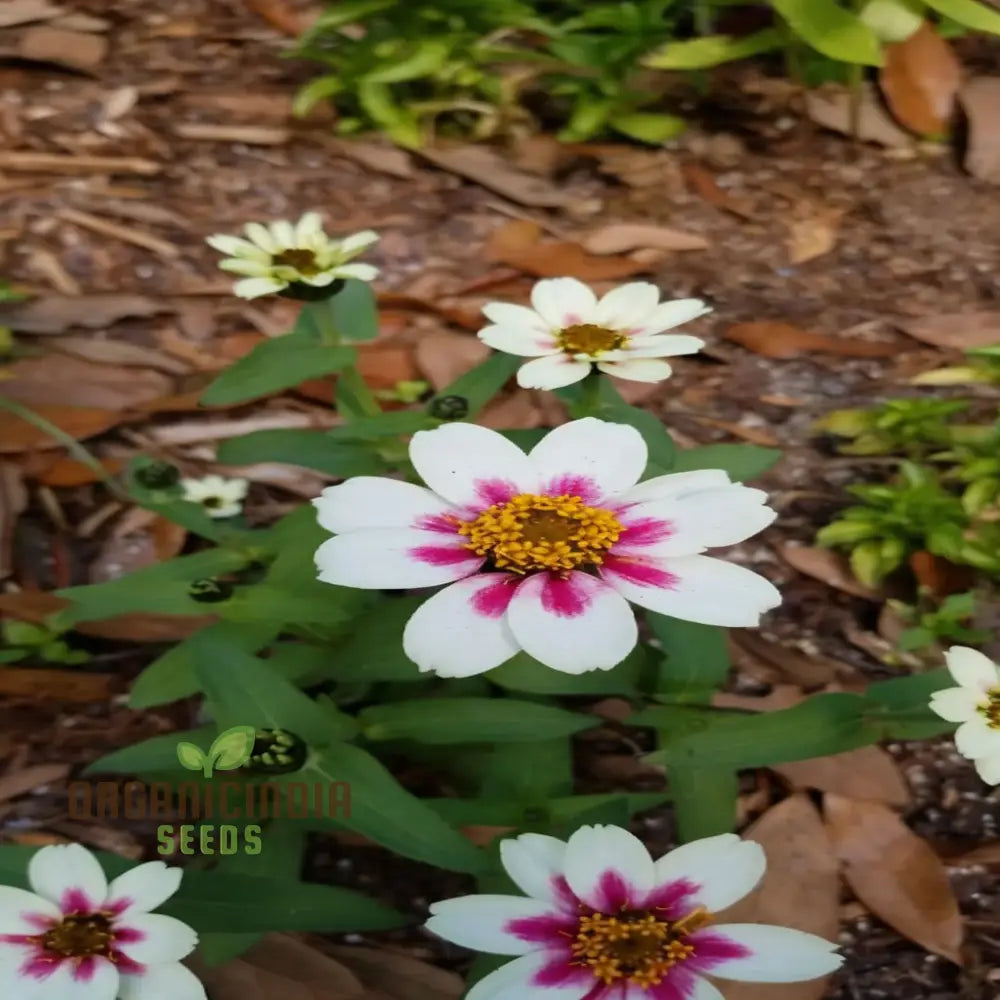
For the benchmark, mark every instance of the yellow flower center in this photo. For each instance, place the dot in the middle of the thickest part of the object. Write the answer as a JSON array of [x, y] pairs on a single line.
[[304, 261], [585, 338], [990, 710], [531, 532], [636, 946], [79, 936]]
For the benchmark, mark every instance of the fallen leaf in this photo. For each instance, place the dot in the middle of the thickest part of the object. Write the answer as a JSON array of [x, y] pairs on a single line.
[[74, 49], [65, 472], [279, 15], [75, 382], [775, 339], [832, 109], [703, 183], [384, 365], [442, 357], [133, 546], [828, 567], [398, 976], [940, 576], [58, 313], [60, 685], [813, 234], [920, 80], [780, 696], [957, 331], [755, 435], [19, 435], [867, 773], [895, 873], [987, 855], [517, 245], [13, 501], [751, 651], [16, 12], [621, 237], [980, 99], [800, 889], [385, 159], [492, 171], [21, 782], [516, 411], [511, 238], [120, 352]]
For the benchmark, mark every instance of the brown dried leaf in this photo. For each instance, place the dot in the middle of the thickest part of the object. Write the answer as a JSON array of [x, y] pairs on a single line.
[[443, 356], [828, 567], [832, 110], [981, 102], [19, 435], [813, 234], [920, 80], [399, 976], [13, 500], [781, 696], [775, 339], [703, 183], [74, 49], [65, 472], [558, 258], [957, 331], [799, 890], [867, 773], [25, 11], [385, 159], [60, 685], [759, 656], [58, 313], [621, 237], [30, 778], [896, 874], [120, 352]]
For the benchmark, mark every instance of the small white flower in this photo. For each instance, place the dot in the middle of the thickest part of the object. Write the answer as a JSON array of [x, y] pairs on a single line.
[[602, 921], [77, 938], [219, 496], [280, 254], [543, 551], [569, 329], [975, 703]]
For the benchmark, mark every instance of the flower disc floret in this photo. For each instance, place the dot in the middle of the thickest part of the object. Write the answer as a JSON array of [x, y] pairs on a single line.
[[531, 532]]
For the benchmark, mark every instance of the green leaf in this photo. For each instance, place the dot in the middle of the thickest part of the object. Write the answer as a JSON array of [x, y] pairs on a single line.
[[158, 754], [832, 30], [382, 810], [697, 658], [310, 449], [969, 13], [399, 123], [232, 749], [704, 801], [483, 382], [275, 364], [648, 126], [314, 92], [741, 461], [348, 12], [385, 425], [190, 756], [244, 691], [713, 50], [353, 311], [526, 438], [531, 773], [523, 673], [171, 677], [470, 720]]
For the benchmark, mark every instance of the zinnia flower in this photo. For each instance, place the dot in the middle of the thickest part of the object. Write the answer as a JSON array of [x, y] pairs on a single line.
[[281, 254], [975, 703], [543, 551], [219, 496], [77, 938], [602, 921], [569, 329]]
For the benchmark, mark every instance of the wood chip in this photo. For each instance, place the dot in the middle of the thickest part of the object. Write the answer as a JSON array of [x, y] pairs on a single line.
[[15, 12], [252, 135], [124, 233], [372, 156], [21, 782], [980, 100], [621, 237], [74, 163], [73, 49], [13, 501], [48, 266]]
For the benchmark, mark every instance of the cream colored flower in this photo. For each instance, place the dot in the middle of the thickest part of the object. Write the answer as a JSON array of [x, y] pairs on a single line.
[[280, 254], [219, 496]]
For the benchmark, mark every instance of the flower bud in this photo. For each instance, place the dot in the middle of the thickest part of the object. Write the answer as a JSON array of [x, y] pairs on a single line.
[[157, 476], [449, 407], [277, 751], [210, 590]]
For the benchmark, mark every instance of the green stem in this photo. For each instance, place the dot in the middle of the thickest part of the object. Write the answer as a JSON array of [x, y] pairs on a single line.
[[329, 335], [703, 17], [590, 395], [69, 442], [354, 397]]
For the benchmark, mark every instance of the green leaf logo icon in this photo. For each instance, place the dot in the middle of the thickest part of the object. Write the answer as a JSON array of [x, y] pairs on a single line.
[[230, 750]]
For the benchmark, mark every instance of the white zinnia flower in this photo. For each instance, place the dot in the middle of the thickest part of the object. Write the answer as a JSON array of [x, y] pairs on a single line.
[[603, 921], [280, 254], [219, 496], [569, 329], [547, 548], [975, 703], [77, 938]]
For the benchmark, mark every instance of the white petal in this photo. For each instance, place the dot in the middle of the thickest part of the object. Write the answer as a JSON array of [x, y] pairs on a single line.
[[572, 625], [63, 869], [955, 704], [143, 888], [18, 906], [563, 302], [463, 629], [515, 317], [261, 236], [552, 372], [235, 247], [607, 867], [625, 307], [609, 457], [249, 268], [696, 589], [639, 370], [976, 738], [357, 242], [481, 922], [779, 954], [377, 502], [670, 314], [171, 981], [360, 272], [524, 342], [320, 280], [534, 861], [723, 868], [677, 484], [988, 768], [690, 988], [252, 288], [283, 234], [165, 939], [393, 559], [308, 228], [13, 983], [471, 465], [100, 981], [516, 981], [664, 346], [971, 669], [226, 510]]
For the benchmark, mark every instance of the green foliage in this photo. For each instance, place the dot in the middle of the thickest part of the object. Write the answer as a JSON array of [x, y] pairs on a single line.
[[947, 622], [26, 641]]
